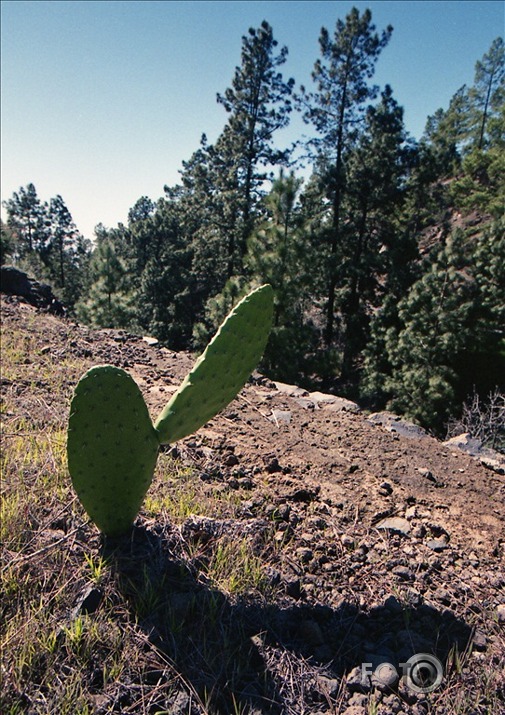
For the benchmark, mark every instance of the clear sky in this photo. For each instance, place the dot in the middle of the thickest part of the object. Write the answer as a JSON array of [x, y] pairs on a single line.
[[102, 101]]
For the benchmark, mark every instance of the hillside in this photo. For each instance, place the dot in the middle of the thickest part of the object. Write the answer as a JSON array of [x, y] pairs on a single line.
[[291, 540]]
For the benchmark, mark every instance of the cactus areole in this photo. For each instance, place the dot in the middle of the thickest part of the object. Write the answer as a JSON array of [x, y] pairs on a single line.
[[112, 444]]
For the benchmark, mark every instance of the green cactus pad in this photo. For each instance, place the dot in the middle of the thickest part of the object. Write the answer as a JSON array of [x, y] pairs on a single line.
[[221, 371], [112, 447]]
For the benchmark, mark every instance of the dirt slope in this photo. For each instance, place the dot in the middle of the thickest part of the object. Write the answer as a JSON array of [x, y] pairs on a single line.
[[376, 545]]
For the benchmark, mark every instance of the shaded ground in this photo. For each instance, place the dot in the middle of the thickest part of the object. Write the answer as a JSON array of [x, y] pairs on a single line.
[[281, 547]]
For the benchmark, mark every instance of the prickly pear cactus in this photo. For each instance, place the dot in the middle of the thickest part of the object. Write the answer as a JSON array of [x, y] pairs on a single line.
[[112, 447], [221, 371]]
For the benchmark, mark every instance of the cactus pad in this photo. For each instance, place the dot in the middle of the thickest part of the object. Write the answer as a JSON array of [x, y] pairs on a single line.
[[112, 447], [221, 371]]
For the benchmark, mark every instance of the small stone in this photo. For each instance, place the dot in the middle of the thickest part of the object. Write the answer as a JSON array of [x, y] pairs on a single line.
[[89, 602], [317, 522], [358, 700], [273, 466], [304, 554], [394, 523], [437, 545], [307, 537], [329, 686], [385, 677], [444, 597], [419, 532], [280, 417], [385, 489], [501, 613], [347, 541], [479, 641], [283, 512], [393, 605], [403, 573], [292, 587], [306, 403], [245, 483], [392, 703], [426, 474], [474, 560], [180, 704], [358, 680], [304, 495], [230, 460]]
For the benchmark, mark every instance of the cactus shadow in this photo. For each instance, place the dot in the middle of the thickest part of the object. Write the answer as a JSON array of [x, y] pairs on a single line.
[[255, 655], [207, 637]]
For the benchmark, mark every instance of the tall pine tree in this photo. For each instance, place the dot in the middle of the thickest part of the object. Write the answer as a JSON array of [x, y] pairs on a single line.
[[488, 92], [28, 219], [375, 248], [334, 109], [258, 103], [108, 301]]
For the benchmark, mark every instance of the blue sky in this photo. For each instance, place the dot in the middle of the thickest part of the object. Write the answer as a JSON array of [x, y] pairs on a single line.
[[102, 101]]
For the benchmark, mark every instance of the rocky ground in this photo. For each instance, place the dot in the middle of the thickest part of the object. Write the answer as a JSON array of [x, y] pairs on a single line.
[[368, 544]]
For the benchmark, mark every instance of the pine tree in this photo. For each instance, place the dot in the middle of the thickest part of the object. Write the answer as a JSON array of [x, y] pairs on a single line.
[[335, 109], [258, 104], [139, 242], [205, 219], [275, 249], [481, 182], [165, 306], [436, 318], [7, 243], [481, 367], [280, 253], [488, 92], [481, 185], [28, 219], [108, 301], [375, 251], [67, 253], [222, 183], [449, 337], [47, 243], [447, 134]]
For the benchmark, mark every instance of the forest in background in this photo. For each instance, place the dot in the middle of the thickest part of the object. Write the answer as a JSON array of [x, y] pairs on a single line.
[[388, 261]]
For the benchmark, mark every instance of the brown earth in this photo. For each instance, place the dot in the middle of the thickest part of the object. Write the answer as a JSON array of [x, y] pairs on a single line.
[[377, 545]]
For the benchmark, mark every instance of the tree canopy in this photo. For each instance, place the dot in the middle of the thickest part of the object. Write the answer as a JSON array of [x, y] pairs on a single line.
[[386, 261]]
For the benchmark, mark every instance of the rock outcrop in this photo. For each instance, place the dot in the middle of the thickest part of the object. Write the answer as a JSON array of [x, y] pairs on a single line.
[[18, 283]]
